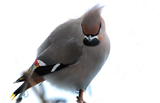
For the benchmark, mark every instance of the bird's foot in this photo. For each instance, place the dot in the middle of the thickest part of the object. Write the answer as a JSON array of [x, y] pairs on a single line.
[[80, 100]]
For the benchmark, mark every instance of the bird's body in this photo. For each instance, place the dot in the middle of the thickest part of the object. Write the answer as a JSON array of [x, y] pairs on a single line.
[[76, 57]]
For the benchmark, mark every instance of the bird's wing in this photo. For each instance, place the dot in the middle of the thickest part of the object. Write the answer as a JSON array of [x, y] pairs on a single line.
[[61, 49], [64, 45]]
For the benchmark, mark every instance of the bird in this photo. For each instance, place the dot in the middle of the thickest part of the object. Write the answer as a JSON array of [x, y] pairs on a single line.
[[72, 55]]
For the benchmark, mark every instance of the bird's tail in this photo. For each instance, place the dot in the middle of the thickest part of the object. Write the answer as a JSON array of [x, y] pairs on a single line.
[[27, 84], [20, 89], [16, 92]]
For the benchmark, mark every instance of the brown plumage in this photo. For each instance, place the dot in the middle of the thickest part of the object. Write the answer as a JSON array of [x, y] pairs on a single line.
[[88, 26]]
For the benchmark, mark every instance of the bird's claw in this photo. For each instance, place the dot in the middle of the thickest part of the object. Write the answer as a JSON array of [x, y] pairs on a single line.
[[80, 100]]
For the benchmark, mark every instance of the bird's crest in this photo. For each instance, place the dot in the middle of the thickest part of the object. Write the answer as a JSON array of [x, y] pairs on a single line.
[[91, 20]]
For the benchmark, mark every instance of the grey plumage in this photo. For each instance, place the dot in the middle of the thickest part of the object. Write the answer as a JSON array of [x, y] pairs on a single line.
[[72, 54], [65, 45]]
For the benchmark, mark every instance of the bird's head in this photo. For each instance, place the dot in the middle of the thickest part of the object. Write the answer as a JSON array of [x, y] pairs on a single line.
[[91, 26]]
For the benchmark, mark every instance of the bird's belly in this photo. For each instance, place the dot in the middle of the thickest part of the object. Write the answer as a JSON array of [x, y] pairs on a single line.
[[78, 76]]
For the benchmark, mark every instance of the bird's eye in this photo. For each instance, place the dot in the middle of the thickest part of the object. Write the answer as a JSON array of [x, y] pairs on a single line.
[[99, 30]]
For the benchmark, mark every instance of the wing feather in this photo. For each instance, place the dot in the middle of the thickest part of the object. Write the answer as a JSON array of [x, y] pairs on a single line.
[[64, 45]]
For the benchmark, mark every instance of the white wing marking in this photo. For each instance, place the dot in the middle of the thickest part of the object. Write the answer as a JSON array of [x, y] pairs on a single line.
[[55, 67]]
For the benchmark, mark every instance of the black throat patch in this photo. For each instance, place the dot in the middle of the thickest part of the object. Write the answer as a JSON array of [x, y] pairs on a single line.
[[94, 42]]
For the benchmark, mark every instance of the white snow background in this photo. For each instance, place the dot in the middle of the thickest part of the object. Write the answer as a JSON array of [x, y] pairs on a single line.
[[132, 71]]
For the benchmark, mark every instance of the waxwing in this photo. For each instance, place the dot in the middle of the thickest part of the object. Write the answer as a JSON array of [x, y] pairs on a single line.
[[72, 55]]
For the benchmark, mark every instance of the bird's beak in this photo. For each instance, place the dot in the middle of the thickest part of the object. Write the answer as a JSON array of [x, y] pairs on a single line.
[[89, 38]]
